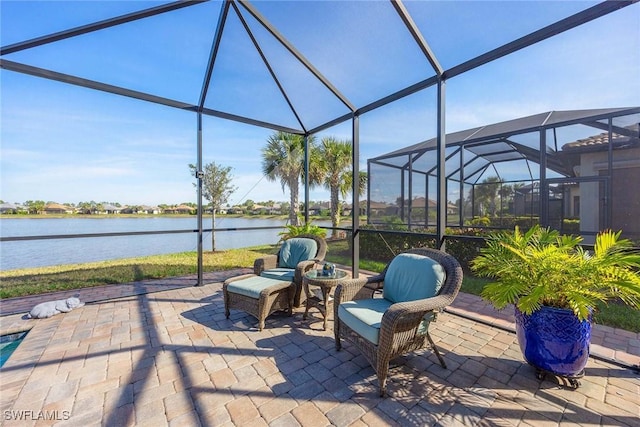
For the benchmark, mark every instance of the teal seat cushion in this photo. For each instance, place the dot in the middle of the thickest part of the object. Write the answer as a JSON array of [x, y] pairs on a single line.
[[411, 277], [295, 250], [279, 274], [252, 286], [364, 316]]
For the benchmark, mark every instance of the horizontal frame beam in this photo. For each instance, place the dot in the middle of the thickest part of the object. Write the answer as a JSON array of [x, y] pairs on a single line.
[[92, 84], [556, 28], [116, 90], [100, 25]]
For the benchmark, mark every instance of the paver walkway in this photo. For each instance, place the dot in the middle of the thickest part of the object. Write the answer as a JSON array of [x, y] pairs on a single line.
[[101, 293], [610, 344], [172, 358]]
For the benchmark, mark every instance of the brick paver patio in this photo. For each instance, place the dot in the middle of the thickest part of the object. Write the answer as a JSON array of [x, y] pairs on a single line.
[[172, 358]]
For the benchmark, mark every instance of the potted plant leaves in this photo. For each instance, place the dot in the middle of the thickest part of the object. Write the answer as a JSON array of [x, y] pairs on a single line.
[[555, 285]]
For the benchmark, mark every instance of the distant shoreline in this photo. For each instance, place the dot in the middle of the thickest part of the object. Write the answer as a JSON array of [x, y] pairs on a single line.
[[143, 216], [101, 216]]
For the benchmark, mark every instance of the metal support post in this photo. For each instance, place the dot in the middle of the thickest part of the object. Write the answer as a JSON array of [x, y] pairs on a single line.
[[199, 176], [441, 153], [355, 191], [306, 179]]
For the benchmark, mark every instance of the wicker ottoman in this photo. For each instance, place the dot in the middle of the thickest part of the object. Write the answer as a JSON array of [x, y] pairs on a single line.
[[258, 296]]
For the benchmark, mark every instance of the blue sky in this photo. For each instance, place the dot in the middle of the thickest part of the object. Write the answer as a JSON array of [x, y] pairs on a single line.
[[69, 144]]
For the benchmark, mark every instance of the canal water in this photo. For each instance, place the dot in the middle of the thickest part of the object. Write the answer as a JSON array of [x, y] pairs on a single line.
[[39, 253]]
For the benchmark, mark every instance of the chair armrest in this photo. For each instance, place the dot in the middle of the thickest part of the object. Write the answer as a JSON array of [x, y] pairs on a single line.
[[348, 290], [376, 282], [265, 263], [378, 278], [406, 316], [423, 305], [303, 267]]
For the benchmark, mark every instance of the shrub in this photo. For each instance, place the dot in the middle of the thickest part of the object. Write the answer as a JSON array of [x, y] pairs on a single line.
[[463, 244], [571, 226], [297, 230], [482, 221]]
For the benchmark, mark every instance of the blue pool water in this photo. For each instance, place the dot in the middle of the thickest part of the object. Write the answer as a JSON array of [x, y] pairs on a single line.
[[8, 343]]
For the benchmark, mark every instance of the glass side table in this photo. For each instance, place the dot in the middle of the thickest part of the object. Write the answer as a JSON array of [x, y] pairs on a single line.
[[325, 283]]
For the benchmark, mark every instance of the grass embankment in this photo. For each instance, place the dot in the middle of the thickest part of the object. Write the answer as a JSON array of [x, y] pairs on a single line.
[[35, 281]]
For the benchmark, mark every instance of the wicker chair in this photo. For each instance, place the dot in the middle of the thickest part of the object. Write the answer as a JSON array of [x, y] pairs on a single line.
[[387, 327], [272, 266]]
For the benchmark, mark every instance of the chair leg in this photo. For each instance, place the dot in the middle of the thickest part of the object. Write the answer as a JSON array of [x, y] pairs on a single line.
[[435, 350], [291, 296], [226, 307], [382, 380], [382, 371]]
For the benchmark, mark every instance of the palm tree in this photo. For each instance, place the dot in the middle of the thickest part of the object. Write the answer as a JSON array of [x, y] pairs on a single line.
[[283, 159], [486, 193], [331, 167]]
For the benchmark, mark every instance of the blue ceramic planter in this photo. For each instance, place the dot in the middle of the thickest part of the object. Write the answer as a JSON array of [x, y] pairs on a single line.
[[554, 340]]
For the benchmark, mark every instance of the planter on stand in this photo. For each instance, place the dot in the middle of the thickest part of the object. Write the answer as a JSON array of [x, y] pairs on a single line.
[[554, 341]]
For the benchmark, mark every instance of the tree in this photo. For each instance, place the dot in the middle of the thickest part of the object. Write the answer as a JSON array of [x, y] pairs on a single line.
[[506, 195], [35, 206], [331, 167], [84, 207], [283, 159], [486, 193], [216, 188]]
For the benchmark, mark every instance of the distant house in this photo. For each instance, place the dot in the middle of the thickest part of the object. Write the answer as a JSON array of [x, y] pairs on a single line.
[[347, 208], [8, 208], [315, 209], [237, 210], [259, 209], [378, 209], [151, 210], [452, 208], [182, 209], [276, 209], [584, 199], [110, 209], [57, 209]]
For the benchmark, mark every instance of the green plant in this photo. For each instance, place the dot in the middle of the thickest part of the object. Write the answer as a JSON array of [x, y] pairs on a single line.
[[482, 221], [541, 267], [297, 230]]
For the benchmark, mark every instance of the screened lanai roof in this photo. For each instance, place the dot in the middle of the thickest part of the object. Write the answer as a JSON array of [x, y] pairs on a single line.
[[254, 62], [495, 143], [294, 66]]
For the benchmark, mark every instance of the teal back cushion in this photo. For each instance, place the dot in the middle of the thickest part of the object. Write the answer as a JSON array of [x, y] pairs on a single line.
[[295, 250], [411, 277]]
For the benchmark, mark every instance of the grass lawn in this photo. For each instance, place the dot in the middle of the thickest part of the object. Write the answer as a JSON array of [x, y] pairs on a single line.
[[33, 281], [39, 280]]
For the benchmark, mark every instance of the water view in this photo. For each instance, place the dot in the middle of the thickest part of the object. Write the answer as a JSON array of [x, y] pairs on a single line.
[[40, 253]]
